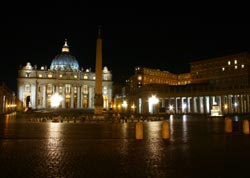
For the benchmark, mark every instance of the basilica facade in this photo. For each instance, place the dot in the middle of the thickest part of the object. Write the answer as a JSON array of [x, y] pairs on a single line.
[[36, 86]]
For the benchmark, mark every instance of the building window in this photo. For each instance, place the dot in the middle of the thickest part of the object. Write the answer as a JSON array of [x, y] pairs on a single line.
[[60, 89], [229, 63], [75, 76], [40, 75], [60, 75], [85, 77], [27, 74], [105, 90]]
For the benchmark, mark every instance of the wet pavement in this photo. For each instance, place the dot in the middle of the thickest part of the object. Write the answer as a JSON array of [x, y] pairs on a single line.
[[197, 147]]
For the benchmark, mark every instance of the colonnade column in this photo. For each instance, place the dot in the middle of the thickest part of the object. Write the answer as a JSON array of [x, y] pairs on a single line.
[[176, 104], [247, 103], [204, 105], [241, 104]]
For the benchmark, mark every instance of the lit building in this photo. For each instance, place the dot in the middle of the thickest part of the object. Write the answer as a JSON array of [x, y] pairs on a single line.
[[75, 85], [8, 101], [222, 81]]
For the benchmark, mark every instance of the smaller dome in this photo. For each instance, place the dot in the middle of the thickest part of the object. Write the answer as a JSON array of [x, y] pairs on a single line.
[[64, 61]]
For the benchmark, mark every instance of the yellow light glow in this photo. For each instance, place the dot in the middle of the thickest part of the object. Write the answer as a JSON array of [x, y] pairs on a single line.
[[124, 104], [55, 100], [153, 100]]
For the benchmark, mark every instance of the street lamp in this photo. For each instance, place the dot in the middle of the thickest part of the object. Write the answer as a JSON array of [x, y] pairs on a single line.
[[152, 101]]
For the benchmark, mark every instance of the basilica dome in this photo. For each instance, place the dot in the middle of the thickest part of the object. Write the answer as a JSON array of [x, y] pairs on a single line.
[[64, 60]]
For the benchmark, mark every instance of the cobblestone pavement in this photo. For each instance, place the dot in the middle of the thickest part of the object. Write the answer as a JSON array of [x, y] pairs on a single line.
[[197, 148]]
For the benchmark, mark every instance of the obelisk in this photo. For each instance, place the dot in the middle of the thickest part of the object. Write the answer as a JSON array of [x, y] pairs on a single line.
[[98, 114]]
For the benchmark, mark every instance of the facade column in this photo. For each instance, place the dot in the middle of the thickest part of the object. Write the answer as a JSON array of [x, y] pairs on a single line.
[[78, 96], [63, 96], [91, 98], [33, 93], [110, 103], [81, 97], [72, 97], [45, 96]]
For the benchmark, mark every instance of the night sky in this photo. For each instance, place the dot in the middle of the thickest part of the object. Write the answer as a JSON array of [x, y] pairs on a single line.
[[130, 39]]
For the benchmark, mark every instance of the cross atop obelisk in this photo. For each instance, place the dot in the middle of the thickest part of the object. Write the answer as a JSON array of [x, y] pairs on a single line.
[[98, 77]]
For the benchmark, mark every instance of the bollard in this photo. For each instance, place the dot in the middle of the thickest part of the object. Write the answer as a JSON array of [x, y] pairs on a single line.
[[165, 130], [245, 126], [228, 125], [139, 130]]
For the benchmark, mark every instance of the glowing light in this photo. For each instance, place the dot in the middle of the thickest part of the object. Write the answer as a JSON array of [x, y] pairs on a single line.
[[184, 105], [153, 100], [124, 104], [55, 100], [171, 107]]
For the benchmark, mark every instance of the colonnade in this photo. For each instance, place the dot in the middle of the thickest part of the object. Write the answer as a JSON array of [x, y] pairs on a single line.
[[238, 103]]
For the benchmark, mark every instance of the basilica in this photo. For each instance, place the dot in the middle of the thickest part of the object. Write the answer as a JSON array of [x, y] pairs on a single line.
[[36, 86]]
